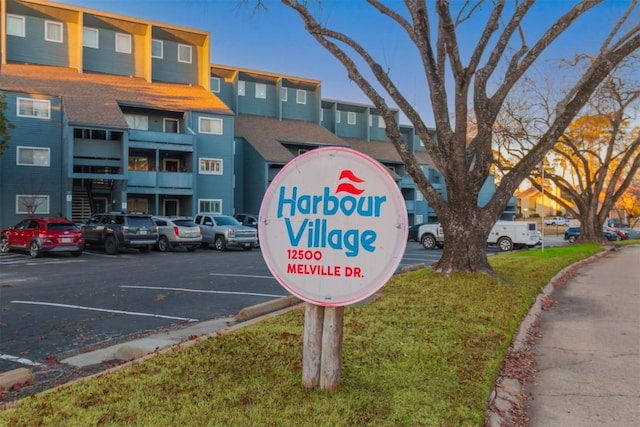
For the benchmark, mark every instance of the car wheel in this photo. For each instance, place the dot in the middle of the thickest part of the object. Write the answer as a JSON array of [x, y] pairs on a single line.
[[428, 241], [572, 239], [219, 243], [191, 248], [505, 244], [163, 244], [4, 244], [111, 245], [34, 250], [76, 253]]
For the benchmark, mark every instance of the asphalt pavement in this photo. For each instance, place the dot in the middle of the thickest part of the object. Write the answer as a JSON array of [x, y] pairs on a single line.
[[588, 352]]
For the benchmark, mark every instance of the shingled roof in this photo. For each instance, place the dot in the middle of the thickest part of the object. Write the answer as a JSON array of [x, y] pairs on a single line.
[[267, 135], [93, 99], [385, 152]]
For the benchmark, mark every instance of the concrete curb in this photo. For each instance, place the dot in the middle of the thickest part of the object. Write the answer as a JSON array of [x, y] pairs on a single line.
[[506, 396]]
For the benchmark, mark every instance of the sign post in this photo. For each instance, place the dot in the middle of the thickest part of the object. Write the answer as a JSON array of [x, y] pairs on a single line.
[[333, 229]]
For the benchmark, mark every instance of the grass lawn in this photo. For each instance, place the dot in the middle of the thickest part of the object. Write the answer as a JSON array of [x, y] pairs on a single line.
[[424, 354]]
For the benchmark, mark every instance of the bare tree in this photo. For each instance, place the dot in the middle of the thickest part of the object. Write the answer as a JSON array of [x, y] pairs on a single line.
[[480, 86]]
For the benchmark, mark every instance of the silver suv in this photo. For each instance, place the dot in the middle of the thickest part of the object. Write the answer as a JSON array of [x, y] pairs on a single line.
[[224, 231], [177, 232], [117, 230]]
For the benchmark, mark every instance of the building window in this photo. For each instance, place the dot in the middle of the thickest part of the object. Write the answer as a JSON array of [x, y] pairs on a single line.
[[210, 166], [370, 120], [209, 125], [90, 38], [137, 121], [241, 87], [301, 96], [419, 219], [381, 123], [53, 31], [123, 43], [261, 91], [31, 204], [184, 53], [137, 163], [392, 169], [215, 84], [38, 108], [157, 49], [171, 125], [33, 156], [283, 94], [338, 116], [419, 197], [351, 118], [210, 206], [15, 25]]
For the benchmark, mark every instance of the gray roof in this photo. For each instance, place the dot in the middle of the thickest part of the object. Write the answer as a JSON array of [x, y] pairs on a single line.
[[93, 99], [385, 152]]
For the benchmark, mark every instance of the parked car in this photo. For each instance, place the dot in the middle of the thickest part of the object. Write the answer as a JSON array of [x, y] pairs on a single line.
[[573, 233], [39, 235], [224, 231], [176, 232], [117, 230], [616, 223], [557, 220], [621, 233], [250, 220]]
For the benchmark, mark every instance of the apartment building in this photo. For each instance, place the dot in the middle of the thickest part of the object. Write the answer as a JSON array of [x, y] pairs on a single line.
[[117, 113]]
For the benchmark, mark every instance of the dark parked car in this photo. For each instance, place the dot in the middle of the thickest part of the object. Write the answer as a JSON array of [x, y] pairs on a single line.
[[117, 230], [39, 235], [573, 233], [616, 223], [621, 233], [413, 232]]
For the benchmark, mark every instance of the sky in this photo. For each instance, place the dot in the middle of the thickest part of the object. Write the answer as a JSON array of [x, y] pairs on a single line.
[[274, 40]]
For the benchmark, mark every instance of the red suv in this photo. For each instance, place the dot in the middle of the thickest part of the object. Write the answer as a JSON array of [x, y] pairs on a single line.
[[38, 235]]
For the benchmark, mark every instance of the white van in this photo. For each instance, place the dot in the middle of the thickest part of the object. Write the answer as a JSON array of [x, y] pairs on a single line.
[[508, 235]]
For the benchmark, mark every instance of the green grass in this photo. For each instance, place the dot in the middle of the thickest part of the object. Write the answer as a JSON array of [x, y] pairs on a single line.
[[424, 354]]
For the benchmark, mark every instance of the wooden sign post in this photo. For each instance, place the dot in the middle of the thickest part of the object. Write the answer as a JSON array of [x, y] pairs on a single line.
[[333, 229]]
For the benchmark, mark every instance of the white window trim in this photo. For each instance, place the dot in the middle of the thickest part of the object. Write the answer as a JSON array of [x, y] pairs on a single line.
[[123, 36], [46, 31], [161, 43], [22, 32], [351, 118], [45, 101], [25, 147], [261, 91], [284, 94], [201, 119], [183, 46], [301, 96], [241, 88], [219, 82], [37, 211], [210, 172], [84, 39], [212, 201], [370, 120], [381, 122], [338, 116], [419, 197]]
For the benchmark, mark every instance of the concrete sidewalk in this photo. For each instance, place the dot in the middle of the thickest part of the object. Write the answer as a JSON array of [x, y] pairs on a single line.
[[588, 354]]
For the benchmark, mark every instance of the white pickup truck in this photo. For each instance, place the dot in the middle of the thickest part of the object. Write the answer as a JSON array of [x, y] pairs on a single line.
[[431, 235], [507, 235]]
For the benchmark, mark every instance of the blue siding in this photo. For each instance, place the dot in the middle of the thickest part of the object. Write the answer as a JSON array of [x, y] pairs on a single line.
[[294, 111], [227, 93], [249, 104], [168, 69], [40, 180], [105, 59], [34, 49]]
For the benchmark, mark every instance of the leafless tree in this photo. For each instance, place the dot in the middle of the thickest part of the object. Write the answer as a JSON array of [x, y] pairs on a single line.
[[481, 83]]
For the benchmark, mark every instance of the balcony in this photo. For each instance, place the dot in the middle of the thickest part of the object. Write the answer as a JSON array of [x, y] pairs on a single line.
[[173, 141], [161, 180]]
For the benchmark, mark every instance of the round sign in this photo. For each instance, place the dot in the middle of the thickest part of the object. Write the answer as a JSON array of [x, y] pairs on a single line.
[[333, 226]]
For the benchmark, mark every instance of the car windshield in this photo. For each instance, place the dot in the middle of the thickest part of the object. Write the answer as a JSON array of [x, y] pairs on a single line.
[[227, 220], [56, 226]]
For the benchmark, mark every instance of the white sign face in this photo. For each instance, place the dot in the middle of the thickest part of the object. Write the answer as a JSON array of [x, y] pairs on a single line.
[[333, 226]]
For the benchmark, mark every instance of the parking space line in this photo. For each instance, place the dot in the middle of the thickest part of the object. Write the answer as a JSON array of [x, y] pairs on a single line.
[[242, 275], [130, 313], [20, 360], [203, 291]]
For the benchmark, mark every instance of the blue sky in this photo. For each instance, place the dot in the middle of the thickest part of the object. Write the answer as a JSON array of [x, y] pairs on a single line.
[[275, 40]]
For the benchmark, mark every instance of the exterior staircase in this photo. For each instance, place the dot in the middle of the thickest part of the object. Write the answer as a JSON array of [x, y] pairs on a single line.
[[80, 206]]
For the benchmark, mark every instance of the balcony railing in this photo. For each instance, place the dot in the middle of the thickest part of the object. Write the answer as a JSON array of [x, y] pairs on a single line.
[[160, 179]]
